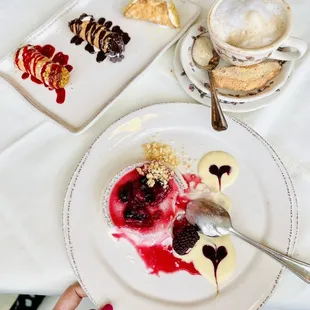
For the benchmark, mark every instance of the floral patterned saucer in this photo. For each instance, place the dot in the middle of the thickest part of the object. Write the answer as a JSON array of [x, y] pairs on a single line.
[[200, 81]]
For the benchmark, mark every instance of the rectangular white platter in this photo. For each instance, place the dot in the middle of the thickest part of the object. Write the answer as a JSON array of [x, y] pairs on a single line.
[[93, 86]]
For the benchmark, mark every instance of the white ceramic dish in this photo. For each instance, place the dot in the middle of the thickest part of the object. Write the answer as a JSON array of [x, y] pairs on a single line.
[[93, 86], [201, 80], [262, 191], [193, 91], [228, 106]]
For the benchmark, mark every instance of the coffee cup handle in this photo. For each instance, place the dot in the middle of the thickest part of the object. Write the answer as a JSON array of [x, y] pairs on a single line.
[[299, 45]]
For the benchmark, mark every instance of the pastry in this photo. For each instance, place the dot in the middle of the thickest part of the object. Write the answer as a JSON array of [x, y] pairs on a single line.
[[30, 60], [246, 78], [110, 43], [157, 11]]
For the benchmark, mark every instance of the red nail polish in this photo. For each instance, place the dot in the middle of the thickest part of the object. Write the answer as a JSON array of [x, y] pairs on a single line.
[[107, 307]]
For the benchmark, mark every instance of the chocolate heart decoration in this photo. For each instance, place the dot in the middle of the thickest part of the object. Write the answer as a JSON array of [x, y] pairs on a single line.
[[215, 255], [219, 172]]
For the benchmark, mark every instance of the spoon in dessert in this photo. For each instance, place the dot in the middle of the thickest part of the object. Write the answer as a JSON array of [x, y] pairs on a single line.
[[214, 221], [218, 120]]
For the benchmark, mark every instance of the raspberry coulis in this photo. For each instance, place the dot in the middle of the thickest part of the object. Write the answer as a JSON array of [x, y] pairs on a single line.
[[162, 210], [159, 258], [158, 215], [192, 181], [36, 55]]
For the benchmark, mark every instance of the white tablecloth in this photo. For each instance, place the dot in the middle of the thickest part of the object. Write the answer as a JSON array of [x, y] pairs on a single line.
[[37, 159]]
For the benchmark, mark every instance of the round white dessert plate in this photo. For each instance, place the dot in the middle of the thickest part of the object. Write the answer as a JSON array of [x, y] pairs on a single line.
[[200, 79], [264, 207]]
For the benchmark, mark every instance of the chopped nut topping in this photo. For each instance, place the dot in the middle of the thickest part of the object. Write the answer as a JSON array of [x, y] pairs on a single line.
[[161, 152], [156, 171]]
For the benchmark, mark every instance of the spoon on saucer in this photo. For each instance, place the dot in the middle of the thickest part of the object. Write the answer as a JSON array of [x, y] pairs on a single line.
[[218, 120], [214, 221]]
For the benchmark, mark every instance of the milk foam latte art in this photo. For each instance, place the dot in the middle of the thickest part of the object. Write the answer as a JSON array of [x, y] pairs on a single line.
[[250, 24], [247, 32]]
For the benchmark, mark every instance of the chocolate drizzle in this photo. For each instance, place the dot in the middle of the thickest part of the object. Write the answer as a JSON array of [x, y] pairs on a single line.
[[76, 40], [101, 37], [89, 29], [117, 29], [101, 56], [215, 170], [215, 255], [111, 43], [108, 24], [93, 35], [126, 38], [85, 15], [89, 48], [101, 21]]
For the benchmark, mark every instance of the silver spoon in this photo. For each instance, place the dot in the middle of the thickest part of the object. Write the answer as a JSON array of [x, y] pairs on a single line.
[[218, 120], [214, 221]]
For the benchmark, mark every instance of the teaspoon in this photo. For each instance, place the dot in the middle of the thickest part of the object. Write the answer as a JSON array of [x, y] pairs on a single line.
[[214, 221], [218, 120]]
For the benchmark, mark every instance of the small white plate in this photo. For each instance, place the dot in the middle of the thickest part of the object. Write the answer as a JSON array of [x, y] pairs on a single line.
[[108, 269], [228, 106], [94, 86], [193, 91], [201, 80]]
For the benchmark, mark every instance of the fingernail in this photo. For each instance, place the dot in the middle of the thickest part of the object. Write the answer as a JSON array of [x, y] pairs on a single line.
[[107, 307]]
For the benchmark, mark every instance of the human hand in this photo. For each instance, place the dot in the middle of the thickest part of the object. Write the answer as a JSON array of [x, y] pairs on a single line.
[[72, 297]]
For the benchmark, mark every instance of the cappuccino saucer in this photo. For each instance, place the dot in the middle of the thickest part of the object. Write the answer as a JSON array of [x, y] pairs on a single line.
[[195, 81]]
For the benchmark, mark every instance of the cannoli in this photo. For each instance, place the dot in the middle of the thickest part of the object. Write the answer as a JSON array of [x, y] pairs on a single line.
[[98, 35], [161, 12], [53, 75]]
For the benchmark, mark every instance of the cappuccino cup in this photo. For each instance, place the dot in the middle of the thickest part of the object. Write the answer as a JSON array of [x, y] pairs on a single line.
[[247, 32]]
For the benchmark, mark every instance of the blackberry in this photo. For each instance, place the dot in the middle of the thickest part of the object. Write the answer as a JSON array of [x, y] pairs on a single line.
[[137, 217], [148, 197], [159, 193], [138, 192], [179, 224], [143, 180], [185, 240], [137, 214], [125, 192]]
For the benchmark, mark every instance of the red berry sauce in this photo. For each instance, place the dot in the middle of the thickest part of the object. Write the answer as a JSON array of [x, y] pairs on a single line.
[[36, 55], [192, 181], [136, 208], [159, 258], [143, 209], [61, 95], [25, 75]]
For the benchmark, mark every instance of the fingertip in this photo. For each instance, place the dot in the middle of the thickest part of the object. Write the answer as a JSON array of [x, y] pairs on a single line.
[[107, 307]]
